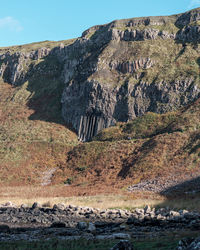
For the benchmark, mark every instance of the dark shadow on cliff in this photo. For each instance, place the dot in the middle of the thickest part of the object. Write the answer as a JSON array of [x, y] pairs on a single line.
[[46, 88], [46, 84], [42, 82], [121, 108]]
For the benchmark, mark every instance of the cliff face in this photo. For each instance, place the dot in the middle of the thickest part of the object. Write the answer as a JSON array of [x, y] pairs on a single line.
[[129, 67], [14, 66], [118, 71]]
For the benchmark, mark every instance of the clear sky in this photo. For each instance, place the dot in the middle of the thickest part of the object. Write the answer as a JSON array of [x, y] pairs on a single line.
[[26, 21]]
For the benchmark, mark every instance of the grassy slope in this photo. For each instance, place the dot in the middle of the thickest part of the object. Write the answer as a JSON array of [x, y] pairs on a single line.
[[172, 61], [33, 136], [150, 146], [28, 146], [34, 46]]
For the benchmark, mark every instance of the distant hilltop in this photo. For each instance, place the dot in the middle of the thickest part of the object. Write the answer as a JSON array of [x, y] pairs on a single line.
[[113, 72]]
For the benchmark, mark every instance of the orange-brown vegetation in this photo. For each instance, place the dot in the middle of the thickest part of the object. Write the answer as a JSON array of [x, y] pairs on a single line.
[[28, 147], [150, 146]]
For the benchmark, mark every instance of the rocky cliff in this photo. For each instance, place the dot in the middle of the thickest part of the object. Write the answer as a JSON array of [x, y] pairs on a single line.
[[118, 71]]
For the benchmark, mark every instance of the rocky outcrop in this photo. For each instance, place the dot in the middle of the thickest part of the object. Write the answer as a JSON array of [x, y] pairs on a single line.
[[101, 107], [189, 34], [91, 108], [103, 71], [74, 222], [91, 102], [14, 67], [188, 17], [132, 66], [140, 35], [189, 244], [90, 126]]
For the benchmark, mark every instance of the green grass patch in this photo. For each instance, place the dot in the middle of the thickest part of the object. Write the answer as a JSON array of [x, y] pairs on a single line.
[[162, 244], [141, 127]]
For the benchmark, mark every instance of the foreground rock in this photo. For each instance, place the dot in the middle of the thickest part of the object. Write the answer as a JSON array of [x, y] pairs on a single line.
[[73, 222], [189, 244], [123, 245]]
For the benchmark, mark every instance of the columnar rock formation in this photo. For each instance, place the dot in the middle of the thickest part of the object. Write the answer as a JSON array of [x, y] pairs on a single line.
[[132, 66], [118, 71], [90, 126]]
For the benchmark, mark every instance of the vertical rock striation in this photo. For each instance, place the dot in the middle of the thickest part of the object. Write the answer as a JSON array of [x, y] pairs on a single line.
[[118, 71], [105, 83], [90, 126]]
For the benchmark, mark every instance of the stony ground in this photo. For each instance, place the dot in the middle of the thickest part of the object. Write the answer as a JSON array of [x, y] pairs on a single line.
[[73, 222], [185, 183]]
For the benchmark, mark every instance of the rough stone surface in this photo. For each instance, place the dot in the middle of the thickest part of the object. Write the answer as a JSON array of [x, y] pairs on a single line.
[[189, 244], [103, 87], [17, 223], [169, 184], [105, 106]]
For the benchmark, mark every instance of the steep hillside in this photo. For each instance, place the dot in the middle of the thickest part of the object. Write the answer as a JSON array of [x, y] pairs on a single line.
[[115, 72], [33, 135], [129, 67], [139, 78], [165, 147]]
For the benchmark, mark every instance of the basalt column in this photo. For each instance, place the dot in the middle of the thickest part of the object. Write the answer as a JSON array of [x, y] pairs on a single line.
[[90, 126]]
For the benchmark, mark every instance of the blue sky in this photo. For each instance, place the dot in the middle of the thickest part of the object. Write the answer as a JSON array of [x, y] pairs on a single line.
[[23, 21]]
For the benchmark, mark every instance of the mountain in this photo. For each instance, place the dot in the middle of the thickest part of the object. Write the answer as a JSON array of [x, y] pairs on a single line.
[[138, 78]]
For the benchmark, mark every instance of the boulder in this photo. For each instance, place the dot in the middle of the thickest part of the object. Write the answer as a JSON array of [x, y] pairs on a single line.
[[123, 245], [82, 225], [147, 209], [36, 205], [59, 206], [91, 227]]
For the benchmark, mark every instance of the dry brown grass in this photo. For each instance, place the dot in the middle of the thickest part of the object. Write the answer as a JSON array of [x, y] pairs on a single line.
[[50, 195], [121, 163], [28, 146], [47, 196], [91, 168], [172, 147]]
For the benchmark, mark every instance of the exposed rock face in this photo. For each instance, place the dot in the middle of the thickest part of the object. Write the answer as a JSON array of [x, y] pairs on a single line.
[[189, 34], [120, 70], [140, 35], [98, 105], [93, 99], [132, 66], [188, 17], [14, 67], [90, 126], [102, 106]]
